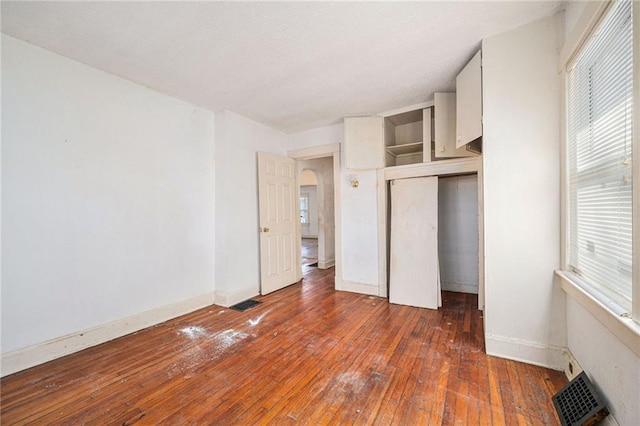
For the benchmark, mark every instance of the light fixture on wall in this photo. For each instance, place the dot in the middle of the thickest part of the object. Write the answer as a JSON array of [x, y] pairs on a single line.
[[354, 181]]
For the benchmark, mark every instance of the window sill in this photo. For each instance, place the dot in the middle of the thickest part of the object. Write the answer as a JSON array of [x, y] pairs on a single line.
[[625, 329]]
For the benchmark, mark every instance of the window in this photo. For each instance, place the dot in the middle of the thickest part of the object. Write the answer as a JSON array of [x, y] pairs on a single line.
[[599, 158], [304, 209]]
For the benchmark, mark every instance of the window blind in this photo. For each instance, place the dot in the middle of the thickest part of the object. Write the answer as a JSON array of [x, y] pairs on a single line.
[[600, 122]]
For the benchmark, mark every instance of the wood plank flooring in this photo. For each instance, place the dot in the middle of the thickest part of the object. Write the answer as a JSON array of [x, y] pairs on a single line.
[[309, 251], [306, 355]]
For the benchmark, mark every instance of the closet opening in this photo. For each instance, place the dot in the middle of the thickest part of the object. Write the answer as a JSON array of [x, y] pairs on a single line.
[[434, 237], [458, 233]]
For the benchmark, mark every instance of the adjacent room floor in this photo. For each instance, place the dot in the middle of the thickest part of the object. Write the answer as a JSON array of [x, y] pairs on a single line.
[[309, 251], [306, 355]]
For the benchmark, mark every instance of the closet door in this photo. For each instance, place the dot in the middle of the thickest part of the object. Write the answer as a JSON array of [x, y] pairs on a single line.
[[414, 276]]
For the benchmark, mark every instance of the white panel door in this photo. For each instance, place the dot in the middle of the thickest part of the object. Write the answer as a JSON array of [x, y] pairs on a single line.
[[278, 221], [414, 276]]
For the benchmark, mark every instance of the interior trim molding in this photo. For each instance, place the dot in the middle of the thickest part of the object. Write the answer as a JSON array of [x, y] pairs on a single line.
[[326, 264], [314, 152], [33, 355], [227, 299], [549, 356], [571, 365], [356, 287], [434, 168]]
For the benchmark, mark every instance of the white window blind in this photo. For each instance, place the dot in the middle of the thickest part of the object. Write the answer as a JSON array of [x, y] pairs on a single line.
[[600, 122]]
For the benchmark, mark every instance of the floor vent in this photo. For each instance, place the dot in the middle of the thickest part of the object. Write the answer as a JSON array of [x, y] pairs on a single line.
[[243, 306], [578, 403]]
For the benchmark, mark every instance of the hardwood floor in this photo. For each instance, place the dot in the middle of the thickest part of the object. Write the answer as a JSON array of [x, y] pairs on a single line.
[[306, 355], [309, 251]]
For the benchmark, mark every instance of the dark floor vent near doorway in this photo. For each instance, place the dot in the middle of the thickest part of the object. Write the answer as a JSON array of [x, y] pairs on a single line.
[[243, 306], [579, 403]]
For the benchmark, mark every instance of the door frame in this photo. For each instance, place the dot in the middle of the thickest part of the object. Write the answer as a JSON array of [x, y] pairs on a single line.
[[323, 151]]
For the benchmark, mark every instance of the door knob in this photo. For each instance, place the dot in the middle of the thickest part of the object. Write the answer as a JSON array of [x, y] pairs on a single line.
[[265, 229]]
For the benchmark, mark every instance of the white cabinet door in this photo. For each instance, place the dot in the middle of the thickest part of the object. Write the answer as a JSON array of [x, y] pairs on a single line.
[[427, 134], [413, 269], [364, 143], [445, 127], [469, 102]]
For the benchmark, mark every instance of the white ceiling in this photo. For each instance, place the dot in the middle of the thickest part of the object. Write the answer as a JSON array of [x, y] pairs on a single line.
[[290, 65]]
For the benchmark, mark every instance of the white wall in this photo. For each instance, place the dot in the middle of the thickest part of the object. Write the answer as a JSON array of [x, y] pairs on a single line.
[[525, 312], [237, 240], [360, 231], [107, 198], [458, 233], [311, 229], [573, 10], [308, 178], [317, 137]]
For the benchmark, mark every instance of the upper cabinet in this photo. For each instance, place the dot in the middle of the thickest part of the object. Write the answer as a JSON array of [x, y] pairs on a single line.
[[469, 103], [364, 143], [445, 127]]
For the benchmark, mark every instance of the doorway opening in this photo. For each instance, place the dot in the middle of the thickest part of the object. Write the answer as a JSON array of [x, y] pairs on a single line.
[[317, 217], [458, 233], [309, 218]]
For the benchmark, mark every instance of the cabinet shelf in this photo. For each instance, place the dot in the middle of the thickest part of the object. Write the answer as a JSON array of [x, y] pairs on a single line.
[[405, 149]]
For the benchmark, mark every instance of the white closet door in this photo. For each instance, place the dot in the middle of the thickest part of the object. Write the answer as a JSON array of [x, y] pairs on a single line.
[[414, 276]]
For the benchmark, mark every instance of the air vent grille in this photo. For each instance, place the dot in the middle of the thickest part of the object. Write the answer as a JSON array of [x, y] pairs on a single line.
[[578, 403]]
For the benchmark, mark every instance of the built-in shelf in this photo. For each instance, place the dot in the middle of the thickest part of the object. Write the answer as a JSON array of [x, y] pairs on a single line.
[[405, 149], [403, 137]]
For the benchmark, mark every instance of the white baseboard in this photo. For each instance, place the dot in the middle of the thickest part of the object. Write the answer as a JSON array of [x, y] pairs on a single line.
[[337, 282], [24, 358], [571, 366], [609, 421], [326, 264], [355, 287], [226, 299], [459, 288], [526, 351]]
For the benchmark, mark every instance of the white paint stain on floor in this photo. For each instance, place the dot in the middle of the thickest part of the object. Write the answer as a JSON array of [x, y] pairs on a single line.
[[228, 338], [255, 321], [194, 332], [206, 347], [352, 382]]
